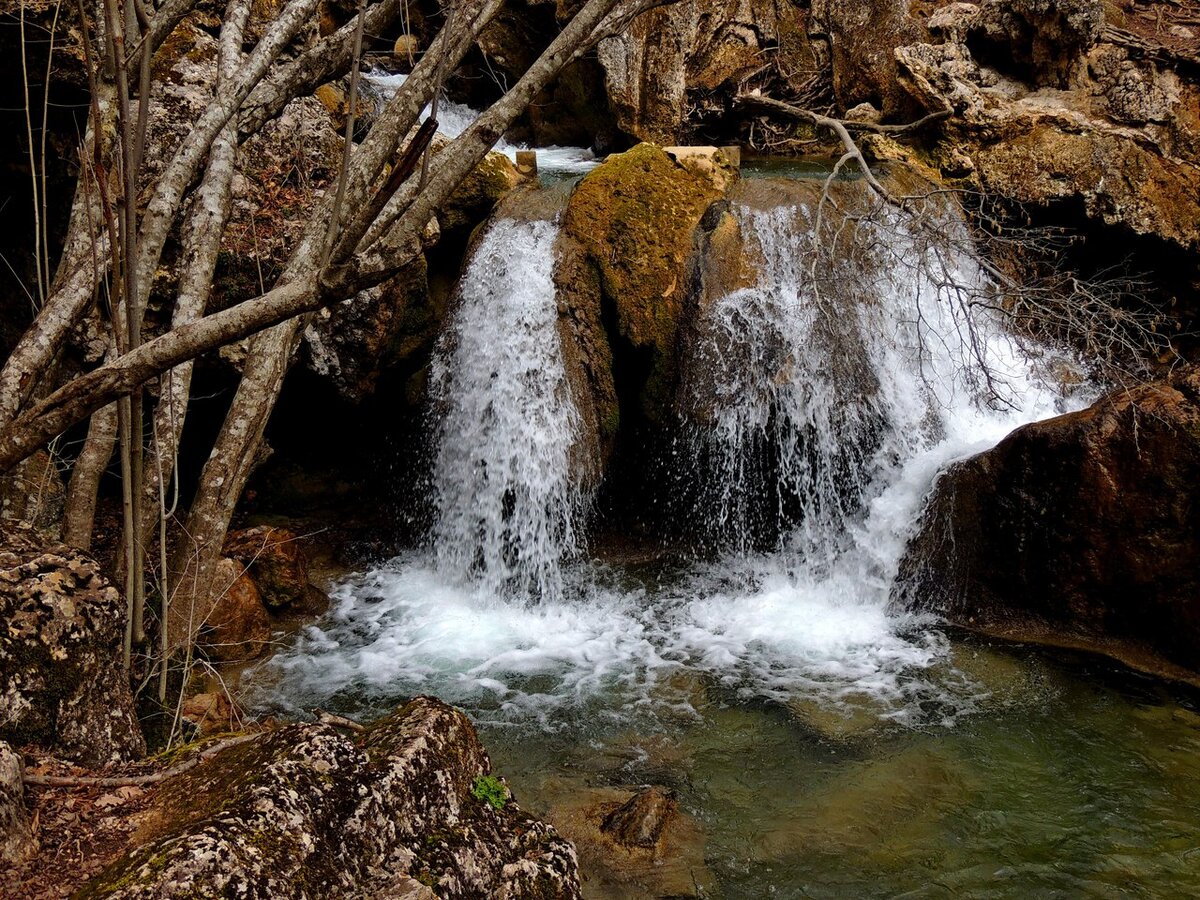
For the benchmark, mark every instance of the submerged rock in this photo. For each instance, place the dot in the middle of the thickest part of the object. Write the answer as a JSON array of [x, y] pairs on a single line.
[[61, 681], [1082, 529], [634, 844], [302, 811]]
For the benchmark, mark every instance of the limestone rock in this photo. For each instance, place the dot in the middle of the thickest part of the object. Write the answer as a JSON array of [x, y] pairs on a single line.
[[629, 235], [303, 811], [1051, 105], [238, 628], [61, 682], [16, 833], [1080, 529], [861, 37], [276, 562], [687, 54]]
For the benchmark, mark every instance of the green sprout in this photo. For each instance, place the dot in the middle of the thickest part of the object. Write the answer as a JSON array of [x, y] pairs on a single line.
[[490, 790]]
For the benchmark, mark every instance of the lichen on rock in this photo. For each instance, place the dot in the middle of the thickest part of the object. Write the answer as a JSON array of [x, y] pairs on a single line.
[[61, 680], [302, 811]]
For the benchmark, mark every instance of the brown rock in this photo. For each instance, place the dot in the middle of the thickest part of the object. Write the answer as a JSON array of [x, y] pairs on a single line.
[[1081, 530], [238, 628], [639, 822], [275, 560], [634, 845], [210, 713]]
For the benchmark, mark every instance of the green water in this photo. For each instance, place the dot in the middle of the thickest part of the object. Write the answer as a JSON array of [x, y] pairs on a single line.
[[1067, 780]]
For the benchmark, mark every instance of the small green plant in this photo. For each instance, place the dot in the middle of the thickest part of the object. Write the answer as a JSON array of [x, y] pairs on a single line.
[[490, 790]]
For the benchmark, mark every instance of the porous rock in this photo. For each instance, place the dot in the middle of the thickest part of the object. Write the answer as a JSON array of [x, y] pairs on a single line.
[[302, 811], [16, 832], [61, 628]]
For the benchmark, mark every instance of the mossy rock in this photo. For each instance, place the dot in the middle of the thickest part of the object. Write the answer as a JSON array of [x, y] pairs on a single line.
[[629, 242]]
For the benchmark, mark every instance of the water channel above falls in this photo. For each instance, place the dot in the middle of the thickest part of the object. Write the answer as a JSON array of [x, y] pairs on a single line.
[[822, 742]]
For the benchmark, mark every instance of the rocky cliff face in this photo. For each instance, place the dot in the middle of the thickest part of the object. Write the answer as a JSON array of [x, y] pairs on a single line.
[[1080, 529]]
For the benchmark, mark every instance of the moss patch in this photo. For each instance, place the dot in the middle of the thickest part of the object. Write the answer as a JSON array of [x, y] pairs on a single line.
[[635, 218]]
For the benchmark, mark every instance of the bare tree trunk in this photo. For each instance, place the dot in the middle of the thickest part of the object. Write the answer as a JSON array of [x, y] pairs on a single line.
[[80, 516], [201, 244], [84, 261]]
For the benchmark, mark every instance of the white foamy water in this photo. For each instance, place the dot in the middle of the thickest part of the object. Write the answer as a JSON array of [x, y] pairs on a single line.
[[455, 118], [508, 504], [860, 404]]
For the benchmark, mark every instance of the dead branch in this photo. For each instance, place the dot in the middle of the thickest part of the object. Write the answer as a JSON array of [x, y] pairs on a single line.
[[134, 780]]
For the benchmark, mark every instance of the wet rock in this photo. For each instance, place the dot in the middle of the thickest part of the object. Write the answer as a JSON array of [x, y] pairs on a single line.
[[238, 628], [303, 811], [850, 720], [473, 200], [16, 832], [629, 234], [639, 822], [275, 560], [61, 682], [210, 713], [1080, 529], [634, 844]]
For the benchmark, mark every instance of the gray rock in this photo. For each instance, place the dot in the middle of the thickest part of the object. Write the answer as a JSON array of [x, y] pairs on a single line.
[[302, 811], [61, 683]]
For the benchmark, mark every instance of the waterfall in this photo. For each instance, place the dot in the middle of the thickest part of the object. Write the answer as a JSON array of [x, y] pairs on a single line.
[[823, 400], [818, 382], [508, 506]]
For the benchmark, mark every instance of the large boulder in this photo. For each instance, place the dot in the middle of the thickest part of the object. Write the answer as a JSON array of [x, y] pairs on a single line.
[[627, 244], [301, 811], [1082, 529], [61, 628]]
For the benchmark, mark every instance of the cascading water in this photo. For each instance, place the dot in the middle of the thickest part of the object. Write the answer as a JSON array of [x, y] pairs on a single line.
[[856, 398], [455, 118], [801, 723], [508, 506]]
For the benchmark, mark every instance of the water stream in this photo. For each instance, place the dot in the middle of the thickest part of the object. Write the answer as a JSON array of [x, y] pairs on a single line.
[[826, 744]]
